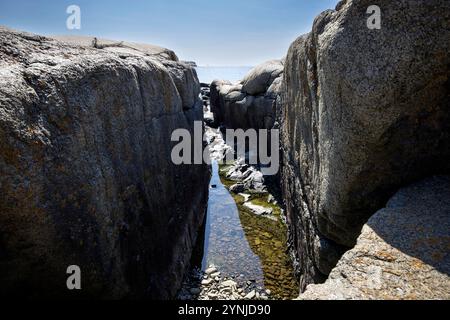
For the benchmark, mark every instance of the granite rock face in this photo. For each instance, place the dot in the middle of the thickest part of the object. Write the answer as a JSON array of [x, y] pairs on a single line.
[[365, 112], [250, 103], [86, 176], [121, 47], [259, 79], [402, 253]]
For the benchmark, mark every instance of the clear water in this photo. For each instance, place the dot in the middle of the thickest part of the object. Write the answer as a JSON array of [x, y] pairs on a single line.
[[226, 245], [233, 74], [245, 246]]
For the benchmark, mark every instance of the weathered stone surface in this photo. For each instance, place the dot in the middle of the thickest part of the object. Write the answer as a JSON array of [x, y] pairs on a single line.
[[215, 99], [402, 252], [259, 79], [121, 47], [365, 112], [86, 176], [252, 103]]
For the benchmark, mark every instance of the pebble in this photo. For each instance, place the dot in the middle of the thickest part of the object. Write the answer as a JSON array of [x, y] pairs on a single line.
[[229, 284], [250, 296], [195, 291], [207, 282], [212, 295], [211, 270]]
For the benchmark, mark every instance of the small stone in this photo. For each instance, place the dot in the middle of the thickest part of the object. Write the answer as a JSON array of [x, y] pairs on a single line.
[[237, 188], [245, 196], [258, 210], [258, 295], [240, 290], [211, 270], [207, 282], [215, 275], [268, 292], [195, 291], [229, 284], [251, 295], [212, 295]]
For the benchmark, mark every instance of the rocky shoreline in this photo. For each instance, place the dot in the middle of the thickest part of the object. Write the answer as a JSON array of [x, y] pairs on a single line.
[[360, 207], [247, 186], [362, 114], [210, 285]]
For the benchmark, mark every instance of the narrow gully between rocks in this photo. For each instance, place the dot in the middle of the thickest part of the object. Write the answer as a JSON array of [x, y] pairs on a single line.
[[240, 253], [240, 246]]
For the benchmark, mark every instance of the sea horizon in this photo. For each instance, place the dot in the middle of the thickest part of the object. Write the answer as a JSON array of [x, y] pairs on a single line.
[[208, 74]]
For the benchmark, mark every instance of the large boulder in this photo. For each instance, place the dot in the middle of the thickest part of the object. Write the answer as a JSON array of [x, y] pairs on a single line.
[[250, 103], [86, 176], [402, 253], [259, 79], [365, 112]]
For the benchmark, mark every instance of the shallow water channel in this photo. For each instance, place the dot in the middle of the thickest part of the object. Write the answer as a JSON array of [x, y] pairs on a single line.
[[249, 248]]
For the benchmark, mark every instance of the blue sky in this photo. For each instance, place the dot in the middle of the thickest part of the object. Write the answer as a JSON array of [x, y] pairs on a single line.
[[211, 32]]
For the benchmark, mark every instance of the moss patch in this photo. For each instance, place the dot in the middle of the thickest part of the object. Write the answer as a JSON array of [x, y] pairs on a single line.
[[267, 239]]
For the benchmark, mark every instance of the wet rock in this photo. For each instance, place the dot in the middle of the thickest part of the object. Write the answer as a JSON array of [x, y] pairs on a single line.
[[258, 210], [237, 188], [218, 149], [249, 177]]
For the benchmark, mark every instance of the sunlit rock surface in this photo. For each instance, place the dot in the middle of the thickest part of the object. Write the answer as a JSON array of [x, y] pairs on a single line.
[[86, 176]]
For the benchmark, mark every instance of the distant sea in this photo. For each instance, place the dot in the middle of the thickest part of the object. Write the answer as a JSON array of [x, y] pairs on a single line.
[[233, 74]]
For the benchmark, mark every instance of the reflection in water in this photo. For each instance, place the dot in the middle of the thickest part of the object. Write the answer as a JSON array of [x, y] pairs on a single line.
[[245, 246]]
